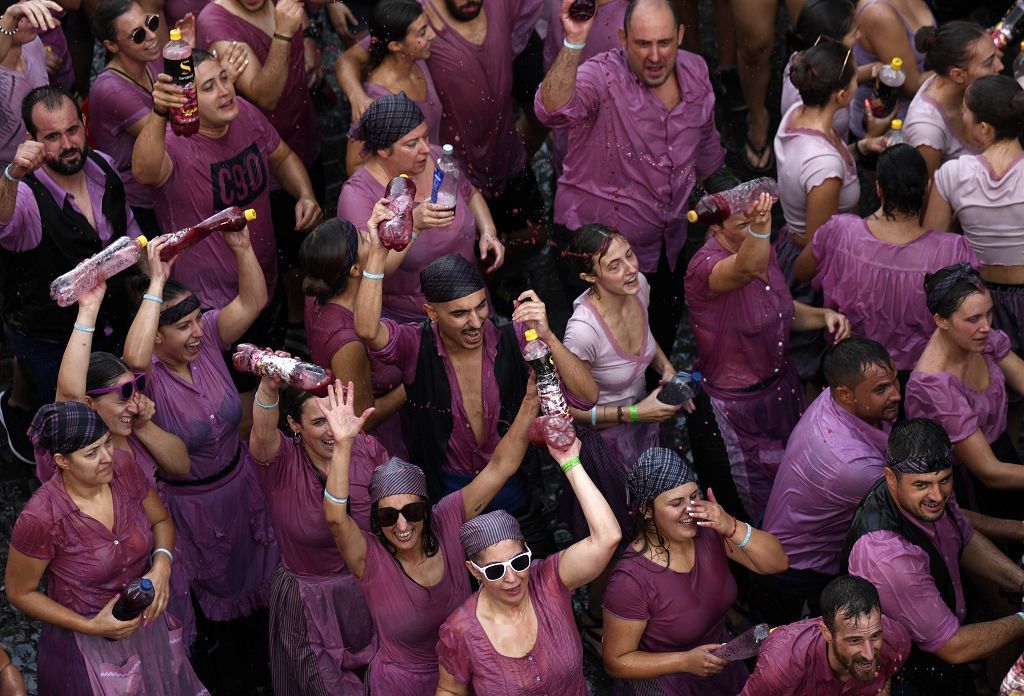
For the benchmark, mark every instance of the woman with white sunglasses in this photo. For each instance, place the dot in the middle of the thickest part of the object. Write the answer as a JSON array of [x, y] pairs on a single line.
[[517, 634]]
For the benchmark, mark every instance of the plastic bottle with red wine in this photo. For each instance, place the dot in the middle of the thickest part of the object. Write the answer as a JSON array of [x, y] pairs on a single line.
[[538, 355], [264, 363], [716, 208], [135, 597], [230, 219], [396, 233]]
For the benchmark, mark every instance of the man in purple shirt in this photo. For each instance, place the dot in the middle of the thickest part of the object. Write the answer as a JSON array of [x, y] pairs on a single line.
[[909, 538], [641, 124], [851, 650], [834, 456], [59, 204]]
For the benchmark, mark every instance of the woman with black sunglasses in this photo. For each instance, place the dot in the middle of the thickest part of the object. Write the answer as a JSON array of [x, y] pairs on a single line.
[[517, 634], [410, 568]]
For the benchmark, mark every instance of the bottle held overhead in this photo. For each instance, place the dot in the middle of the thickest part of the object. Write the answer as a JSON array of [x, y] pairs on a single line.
[[716, 208], [119, 255]]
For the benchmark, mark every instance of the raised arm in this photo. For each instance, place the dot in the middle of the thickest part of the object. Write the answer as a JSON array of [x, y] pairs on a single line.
[[239, 314], [138, 345], [74, 366], [752, 548], [264, 438], [751, 260], [559, 84], [28, 158], [37, 12], [348, 69], [151, 165], [168, 450], [587, 558], [370, 296], [345, 425], [352, 363]]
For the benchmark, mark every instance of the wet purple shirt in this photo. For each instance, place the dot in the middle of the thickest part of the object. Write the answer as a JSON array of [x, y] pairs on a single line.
[[115, 104], [959, 409], [554, 664], [430, 105], [14, 85], [55, 42], [926, 124], [831, 461], [88, 563], [295, 494], [794, 662], [24, 231], [631, 164], [294, 116], [880, 286], [682, 610], [407, 615], [211, 174], [905, 585], [742, 335]]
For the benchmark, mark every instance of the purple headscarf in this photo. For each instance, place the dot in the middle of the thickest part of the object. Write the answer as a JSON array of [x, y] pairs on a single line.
[[396, 477], [386, 121], [66, 427], [487, 530]]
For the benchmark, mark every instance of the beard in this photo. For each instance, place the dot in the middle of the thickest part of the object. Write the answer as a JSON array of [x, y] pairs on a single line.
[[848, 665], [461, 14], [67, 168]]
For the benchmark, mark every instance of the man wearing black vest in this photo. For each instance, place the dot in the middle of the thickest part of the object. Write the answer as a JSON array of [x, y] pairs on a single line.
[[912, 542], [463, 372], [59, 204]]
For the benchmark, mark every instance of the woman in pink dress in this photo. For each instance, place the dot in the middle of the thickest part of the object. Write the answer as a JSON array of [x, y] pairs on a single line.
[[517, 634], [92, 529], [410, 566]]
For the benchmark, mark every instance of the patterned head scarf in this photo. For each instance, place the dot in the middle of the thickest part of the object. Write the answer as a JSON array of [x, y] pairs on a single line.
[[657, 470], [449, 278], [386, 121], [177, 312], [396, 477], [960, 271], [487, 530], [65, 427]]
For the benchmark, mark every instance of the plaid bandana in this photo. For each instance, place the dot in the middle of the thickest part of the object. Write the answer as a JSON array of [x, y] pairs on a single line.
[[386, 121], [960, 271], [65, 427], [657, 470]]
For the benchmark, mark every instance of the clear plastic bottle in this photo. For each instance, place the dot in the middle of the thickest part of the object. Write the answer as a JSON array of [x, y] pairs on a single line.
[[1010, 25], [304, 375], [446, 179], [895, 136], [396, 233], [178, 64], [1018, 65], [715, 208], [135, 597], [119, 255], [745, 645], [582, 10], [681, 389], [887, 88], [228, 220], [552, 430], [538, 356]]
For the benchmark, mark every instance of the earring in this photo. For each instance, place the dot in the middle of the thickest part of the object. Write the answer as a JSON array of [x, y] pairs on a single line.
[[296, 437]]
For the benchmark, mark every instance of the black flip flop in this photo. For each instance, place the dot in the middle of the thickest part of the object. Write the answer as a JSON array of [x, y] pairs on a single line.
[[758, 153]]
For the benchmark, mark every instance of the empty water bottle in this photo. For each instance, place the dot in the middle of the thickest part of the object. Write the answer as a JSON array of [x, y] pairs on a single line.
[[716, 208], [538, 356], [887, 88], [396, 233], [1010, 25], [553, 431], [895, 136], [135, 597], [446, 179], [745, 645], [264, 363], [121, 254], [683, 387]]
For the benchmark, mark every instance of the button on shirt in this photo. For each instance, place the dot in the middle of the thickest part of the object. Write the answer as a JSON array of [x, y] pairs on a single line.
[[631, 164]]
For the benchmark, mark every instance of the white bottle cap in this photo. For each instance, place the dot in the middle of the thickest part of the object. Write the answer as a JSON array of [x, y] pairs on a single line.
[[448, 149]]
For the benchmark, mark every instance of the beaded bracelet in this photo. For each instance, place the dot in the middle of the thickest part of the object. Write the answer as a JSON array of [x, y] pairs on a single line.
[[746, 539], [153, 298], [336, 501], [570, 463], [264, 406], [373, 276], [86, 329]]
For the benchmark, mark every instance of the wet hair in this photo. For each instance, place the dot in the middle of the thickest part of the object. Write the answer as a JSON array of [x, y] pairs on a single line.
[[921, 441], [104, 370], [849, 596], [51, 97], [722, 180], [821, 71], [172, 289], [326, 259], [430, 543], [389, 21], [947, 288], [105, 16], [199, 56], [644, 529], [903, 180], [631, 6], [588, 245], [845, 363], [998, 101], [294, 401], [948, 46], [828, 19]]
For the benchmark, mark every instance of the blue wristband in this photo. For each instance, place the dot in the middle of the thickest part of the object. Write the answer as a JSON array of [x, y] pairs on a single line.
[[153, 298], [746, 539], [755, 235], [86, 329], [593, 416], [7, 173], [336, 501], [373, 276], [572, 46], [266, 407]]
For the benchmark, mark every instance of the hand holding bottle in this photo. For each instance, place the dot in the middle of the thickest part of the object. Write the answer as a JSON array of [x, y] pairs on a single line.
[[160, 575], [104, 624], [159, 270], [650, 410], [167, 95], [89, 303], [428, 215], [238, 241], [530, 310], [701, 661], [576, 30]]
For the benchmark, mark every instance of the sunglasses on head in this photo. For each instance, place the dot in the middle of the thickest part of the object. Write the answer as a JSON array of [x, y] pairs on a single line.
[[138, 34], [849, 53], [127, 389], [413, 512], [494, 572]]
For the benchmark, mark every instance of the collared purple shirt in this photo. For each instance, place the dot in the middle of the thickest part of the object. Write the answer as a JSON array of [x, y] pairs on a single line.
[[631, 164], [14, 85], [794, 662], [831, 461], [24, 231], [900, 571]]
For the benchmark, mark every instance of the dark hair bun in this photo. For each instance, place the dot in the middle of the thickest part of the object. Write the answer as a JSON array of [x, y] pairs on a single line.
[[924, 39]]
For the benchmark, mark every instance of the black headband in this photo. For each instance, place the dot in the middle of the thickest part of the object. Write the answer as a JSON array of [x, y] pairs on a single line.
[[177, 312]]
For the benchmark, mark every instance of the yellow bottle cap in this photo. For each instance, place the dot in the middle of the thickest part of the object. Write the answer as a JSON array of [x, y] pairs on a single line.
[[897, 124], [175, 34], [1022, 45], [404, 176], [142, 241], [250, 214], [692, 216], [897, 63], [530, 334]]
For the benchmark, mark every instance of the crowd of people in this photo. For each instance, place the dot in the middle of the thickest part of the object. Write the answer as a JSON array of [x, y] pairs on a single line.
[[852, 452]]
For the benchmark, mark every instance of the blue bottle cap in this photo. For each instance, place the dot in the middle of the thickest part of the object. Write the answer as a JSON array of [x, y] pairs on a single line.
[[146, 584], [696, 377]]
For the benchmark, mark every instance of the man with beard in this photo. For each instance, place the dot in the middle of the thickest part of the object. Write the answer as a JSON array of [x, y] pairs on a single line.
[[852, 649], [909, 538], [59, 204], [834, 456], [464, 375], [641, 124]]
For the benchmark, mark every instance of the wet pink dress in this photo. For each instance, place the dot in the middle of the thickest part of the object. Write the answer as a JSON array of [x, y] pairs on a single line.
[[554, 664]]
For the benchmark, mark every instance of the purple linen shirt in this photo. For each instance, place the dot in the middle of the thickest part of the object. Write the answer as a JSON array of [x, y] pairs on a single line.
[[14, 85], [24, 231], [794, 662], [831, 461], [329, 328], [430, 105], [905, 585], [631, 164], [554, 665], [879, 286]]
